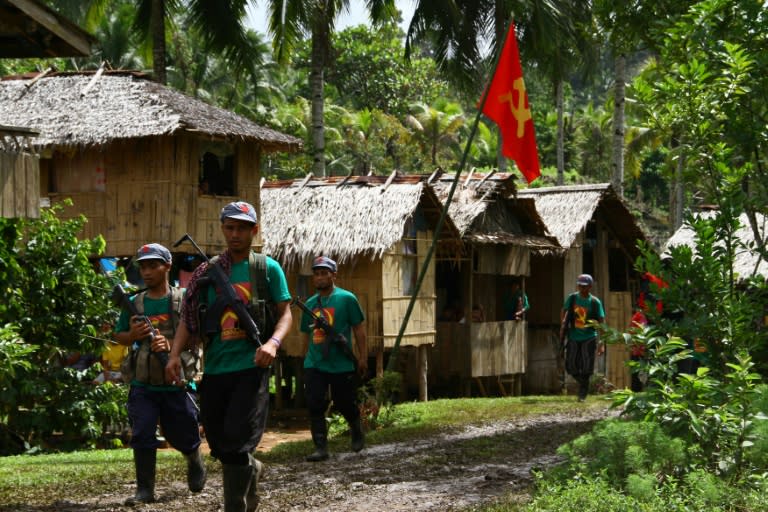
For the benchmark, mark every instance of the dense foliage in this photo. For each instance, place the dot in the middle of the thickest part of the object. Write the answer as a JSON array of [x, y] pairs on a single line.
[[54, 307]]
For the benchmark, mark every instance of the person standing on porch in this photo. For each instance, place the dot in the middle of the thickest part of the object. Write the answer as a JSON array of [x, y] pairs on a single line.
[[580, 311], [327, 363]]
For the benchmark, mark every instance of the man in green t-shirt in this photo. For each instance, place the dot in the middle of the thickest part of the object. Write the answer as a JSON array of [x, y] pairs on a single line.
[[234, 392], [326, 363], [579, 311], [152, 398]]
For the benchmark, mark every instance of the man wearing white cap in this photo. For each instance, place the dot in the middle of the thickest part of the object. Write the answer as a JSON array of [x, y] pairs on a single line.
[[580, 311], [234, 392]]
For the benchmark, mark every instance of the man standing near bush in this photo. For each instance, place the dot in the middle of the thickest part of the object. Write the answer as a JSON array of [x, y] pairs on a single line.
[[580, 310], [234, 392], [331, 362], [152, 398]]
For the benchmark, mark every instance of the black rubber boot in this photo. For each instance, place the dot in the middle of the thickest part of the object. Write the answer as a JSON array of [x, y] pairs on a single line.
[[144, 460], [237, 480], [320, 438], [252, 498], [196, 474], [358, 436]]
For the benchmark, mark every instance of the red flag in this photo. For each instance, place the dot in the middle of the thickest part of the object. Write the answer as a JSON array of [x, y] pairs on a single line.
[[507, 105]]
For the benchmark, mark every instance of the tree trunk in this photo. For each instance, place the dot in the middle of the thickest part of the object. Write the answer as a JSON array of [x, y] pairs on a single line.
[[157, 29], [617, 178], [316, 85], [559, 100], [678, 194]]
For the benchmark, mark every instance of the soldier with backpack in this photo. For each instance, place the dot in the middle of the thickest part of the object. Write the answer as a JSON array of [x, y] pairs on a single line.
[[581, 337], [234, 392], [151, 398]]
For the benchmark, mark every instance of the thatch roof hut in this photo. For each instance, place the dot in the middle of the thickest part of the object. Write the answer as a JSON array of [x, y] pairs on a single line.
[[501, 232], [600, 236], [748, 261], [29, 28], [379, 230], [132, 153]]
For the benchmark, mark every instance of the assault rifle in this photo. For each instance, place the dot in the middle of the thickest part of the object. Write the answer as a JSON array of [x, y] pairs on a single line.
[[331, 334], [228, 297], [121, 299]]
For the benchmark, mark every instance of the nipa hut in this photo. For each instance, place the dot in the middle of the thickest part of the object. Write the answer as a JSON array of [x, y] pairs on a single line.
[[480, 344], [379, 230], [141, 161], [30, 29], [747, 261], [600, 237]]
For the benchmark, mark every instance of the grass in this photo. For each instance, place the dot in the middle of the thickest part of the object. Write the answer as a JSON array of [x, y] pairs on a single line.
[[33, 479]]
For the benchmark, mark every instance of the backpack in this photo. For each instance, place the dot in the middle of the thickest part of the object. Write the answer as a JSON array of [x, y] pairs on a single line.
[[261, 307]]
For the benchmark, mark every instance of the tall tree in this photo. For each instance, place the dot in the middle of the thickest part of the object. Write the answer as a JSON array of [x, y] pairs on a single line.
[[220, 24], [290, 21], [458, 32]]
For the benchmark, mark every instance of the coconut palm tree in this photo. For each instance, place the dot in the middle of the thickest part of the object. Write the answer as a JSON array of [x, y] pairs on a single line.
[[290, 21], [219, 23]]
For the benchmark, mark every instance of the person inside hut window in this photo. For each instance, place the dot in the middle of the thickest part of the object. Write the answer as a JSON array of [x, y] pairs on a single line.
[[515, 302]]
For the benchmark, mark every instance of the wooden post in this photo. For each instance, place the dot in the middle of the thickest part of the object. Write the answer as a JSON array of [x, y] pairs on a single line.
[[278, 373], [423, 356]]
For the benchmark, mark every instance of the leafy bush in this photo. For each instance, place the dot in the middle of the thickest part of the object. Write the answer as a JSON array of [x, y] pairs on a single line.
[[55, 304], [617, 449]]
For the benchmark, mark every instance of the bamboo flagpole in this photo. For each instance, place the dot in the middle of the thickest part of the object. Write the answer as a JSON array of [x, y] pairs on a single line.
[[522, 106]]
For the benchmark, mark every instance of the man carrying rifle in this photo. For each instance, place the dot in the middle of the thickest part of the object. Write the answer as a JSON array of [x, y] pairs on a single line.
[[330, 362], [149, 329], [234, 392]]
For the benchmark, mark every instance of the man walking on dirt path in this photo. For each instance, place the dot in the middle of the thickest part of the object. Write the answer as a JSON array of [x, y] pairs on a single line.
[[234, 392], [331, 363], [580, 310], [152, 398]]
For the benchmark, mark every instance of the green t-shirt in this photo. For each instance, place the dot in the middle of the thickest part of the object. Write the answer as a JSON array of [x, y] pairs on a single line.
[[343, 311], [584, 309], [229, 350], [158, 311]]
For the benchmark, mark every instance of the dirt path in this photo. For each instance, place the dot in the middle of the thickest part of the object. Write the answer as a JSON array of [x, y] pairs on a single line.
[[443, 473]]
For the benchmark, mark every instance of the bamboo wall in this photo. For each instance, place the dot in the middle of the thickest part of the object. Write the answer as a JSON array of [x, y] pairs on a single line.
[[421, 324], [498, 348], [618, 311], [145, 190], [19, 184]]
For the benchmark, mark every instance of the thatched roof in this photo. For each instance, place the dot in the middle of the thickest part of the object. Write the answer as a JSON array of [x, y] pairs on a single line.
[[747, 262], [567, 210], [89, 109], [343, 217], [486, 211], [28, 28]]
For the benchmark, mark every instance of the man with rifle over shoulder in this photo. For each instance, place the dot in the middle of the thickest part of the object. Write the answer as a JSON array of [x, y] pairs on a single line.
[[147, 323], [329, 318], [234, 392]]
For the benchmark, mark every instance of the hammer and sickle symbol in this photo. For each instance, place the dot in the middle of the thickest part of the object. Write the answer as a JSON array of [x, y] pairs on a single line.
[[519, 111]]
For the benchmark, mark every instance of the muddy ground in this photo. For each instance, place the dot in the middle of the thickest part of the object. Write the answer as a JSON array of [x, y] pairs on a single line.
[[449, 472]]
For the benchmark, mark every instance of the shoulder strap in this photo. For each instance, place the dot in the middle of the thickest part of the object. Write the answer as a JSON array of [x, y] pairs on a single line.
[[257, 264], [138, 301]]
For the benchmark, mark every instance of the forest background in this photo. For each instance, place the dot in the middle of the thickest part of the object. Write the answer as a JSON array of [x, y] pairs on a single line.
[[639, 93]]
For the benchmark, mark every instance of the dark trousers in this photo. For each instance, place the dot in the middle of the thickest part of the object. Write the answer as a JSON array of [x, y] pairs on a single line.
[[234, 409], [176, 412], [343, 393], [580, 362]]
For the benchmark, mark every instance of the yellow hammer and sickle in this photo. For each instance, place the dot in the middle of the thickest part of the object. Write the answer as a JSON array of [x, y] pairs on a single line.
[[519, 111]]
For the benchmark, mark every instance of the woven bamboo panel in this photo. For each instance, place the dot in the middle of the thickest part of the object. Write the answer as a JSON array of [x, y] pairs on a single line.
[[618, 314], [544, 372], [19, 185], [498, 348]]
